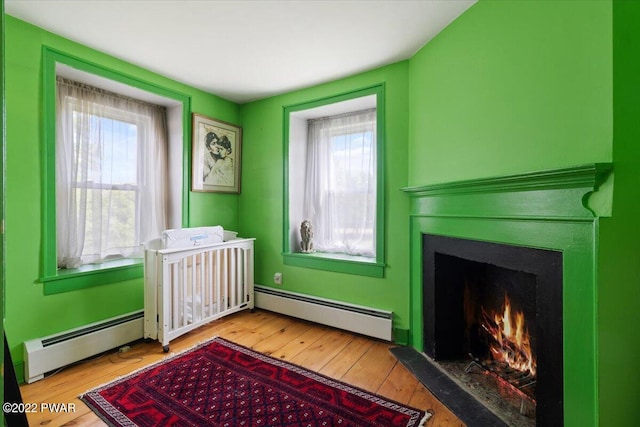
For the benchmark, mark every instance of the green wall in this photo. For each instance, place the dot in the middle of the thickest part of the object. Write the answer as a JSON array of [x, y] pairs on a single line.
[[261, 202], [29, 313], [512, 86], [619, 275]]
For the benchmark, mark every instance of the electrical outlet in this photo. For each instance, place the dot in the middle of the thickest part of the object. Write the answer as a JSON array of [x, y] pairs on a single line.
[[277, 278]]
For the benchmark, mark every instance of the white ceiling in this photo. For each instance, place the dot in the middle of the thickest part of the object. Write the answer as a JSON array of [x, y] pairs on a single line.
[[247, 50]]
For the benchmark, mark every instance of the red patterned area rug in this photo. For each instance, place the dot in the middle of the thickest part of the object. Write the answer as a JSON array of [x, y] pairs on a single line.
[[220, 383]]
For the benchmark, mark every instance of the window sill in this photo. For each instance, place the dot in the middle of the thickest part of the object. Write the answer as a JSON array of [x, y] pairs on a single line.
[[87, 276], [340, 263]]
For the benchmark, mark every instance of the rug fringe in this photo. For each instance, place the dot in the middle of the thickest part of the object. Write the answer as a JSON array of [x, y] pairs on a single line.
[[427, 416]]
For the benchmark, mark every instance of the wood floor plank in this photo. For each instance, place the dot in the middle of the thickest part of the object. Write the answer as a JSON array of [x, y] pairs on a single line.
[[344, 360], [235, 326], [263, 331], [281, 338], [400, 385], [358, 360], [442, 416], [301, 343], [323, 350], [370, 371]]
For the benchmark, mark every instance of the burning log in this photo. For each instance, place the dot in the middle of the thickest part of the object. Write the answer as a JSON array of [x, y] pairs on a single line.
[[521, 382], [510, 339], [506, 351]]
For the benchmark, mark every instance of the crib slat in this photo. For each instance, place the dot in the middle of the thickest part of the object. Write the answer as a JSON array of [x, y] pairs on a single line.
[[198, 294], [184, 277], [188, 293], [232, 277], [211, 297], [207, 285], [175, 298], [225, 278], [191, 292], [238, 284], [165, 303], [216, 280], [243, 285]]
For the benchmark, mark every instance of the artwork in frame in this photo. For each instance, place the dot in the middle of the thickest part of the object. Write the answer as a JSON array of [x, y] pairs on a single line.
[[216, 156]]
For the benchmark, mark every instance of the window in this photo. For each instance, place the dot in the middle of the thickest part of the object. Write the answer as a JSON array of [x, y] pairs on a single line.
[[109, 175], [340, 183], [111, 156], [334, 179]]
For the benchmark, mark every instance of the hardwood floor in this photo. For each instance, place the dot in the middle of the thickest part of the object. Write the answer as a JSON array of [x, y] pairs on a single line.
[[357, 360]]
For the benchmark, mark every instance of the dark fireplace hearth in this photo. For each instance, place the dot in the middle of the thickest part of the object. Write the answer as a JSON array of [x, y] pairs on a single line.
[[492, 318]]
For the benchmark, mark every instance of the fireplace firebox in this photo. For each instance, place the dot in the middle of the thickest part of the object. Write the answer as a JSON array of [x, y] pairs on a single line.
[[492, 318]]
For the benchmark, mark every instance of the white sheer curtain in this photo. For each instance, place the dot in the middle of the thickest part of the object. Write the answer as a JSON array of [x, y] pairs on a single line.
[[340, 183], [111, 155]]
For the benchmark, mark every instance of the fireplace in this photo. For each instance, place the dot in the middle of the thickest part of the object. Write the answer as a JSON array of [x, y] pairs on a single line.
[[493, 321], [555, 212]]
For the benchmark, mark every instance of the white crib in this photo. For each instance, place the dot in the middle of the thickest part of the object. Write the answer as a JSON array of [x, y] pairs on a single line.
[[187, 287]]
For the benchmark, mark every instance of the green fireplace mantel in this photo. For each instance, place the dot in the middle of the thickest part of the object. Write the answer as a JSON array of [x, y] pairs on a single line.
[[545, 210], [550, 193]]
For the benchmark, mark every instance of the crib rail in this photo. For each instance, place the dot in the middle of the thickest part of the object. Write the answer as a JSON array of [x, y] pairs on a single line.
[[191, 287]]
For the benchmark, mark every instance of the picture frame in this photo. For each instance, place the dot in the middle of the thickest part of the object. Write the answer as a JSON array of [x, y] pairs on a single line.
[[216, 155]]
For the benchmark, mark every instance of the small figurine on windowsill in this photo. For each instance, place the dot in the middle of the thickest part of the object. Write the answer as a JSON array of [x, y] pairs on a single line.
[[306, 234]]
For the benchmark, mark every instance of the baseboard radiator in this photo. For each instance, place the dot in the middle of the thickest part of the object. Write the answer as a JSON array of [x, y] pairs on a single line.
[[49, 353], [362, 320]]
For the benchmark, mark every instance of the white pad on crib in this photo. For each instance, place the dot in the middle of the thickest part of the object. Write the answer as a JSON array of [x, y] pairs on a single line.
[[190, 237]]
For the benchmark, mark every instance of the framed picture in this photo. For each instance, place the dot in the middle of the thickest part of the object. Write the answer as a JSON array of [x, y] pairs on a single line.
[[216, 155]]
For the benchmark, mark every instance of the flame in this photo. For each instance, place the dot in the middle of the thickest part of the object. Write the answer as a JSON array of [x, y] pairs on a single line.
[[511, 344]]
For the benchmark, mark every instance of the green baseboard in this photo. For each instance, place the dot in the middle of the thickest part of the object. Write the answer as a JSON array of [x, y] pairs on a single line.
[[19, 367], [401, 336]]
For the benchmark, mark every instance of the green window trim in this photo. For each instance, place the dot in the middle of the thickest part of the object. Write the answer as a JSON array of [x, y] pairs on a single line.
[[338, 263], [341, 263], [58, 281], [93, 275]]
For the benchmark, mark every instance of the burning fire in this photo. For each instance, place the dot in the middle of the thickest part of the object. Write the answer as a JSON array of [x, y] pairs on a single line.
[[512, 344]]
